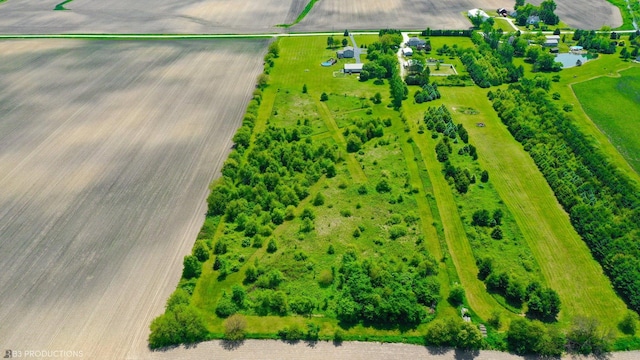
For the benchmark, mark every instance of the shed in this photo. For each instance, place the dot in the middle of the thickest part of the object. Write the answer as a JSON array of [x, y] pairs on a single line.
[[477, 12], [502, 12], [353, 68], [345, 53], [407, 51], [553, 37], [551, 43]]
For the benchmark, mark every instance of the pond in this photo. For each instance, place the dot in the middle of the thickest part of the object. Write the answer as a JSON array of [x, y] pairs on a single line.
[[569, 60]]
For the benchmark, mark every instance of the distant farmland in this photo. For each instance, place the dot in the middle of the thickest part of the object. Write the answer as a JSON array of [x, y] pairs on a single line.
[[106, 152], [619, 124]]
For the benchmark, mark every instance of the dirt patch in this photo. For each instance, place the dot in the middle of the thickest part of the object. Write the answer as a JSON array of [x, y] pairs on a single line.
[[106, 153]]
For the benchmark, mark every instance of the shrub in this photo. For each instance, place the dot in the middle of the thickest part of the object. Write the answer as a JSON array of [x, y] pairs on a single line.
[[345, 213], [272, 246], [383, 186], [291, 333], [201, 251], [628, 325], [338, 336], [356, 233], [331, 250], [496, 233], [318, 200], [225, 307], [182, 325], [484, 177], [324, 97], [456, 295], [234, 327], [192, 267], [480, 218], [362, 190], [250, 274], [302, 305], [304, 88], [397, 231]]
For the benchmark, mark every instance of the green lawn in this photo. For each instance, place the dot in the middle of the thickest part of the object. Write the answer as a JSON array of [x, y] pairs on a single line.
[[620, 122]]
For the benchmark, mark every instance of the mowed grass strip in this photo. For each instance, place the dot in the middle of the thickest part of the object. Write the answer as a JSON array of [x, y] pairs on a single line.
[[456, 238], [564, 258], [621, 123]]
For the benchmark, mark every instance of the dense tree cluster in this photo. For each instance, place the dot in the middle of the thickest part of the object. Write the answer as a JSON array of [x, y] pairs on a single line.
[[429, 92], [364, 131], [546, 12], [593, 41], [603, 203], [490, 64], [453, 332], [181, 323], [376, 293]]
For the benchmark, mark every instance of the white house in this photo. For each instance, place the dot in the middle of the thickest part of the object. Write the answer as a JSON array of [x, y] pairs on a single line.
[[477, 12]]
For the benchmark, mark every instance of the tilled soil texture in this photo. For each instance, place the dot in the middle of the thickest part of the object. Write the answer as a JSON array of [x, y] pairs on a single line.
[[107, 149], [272, 349], [338, 15], [146, 16], [588, 15]]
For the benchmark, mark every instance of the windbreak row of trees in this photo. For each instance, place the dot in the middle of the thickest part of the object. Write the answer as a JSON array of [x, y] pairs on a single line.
[[603, 203]]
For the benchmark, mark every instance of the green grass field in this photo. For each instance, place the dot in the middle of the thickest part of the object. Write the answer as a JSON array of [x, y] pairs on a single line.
[[620, 122], [420, 221]]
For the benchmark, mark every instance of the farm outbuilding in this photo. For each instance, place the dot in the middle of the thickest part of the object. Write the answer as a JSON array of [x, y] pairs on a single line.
[[477, 12], [353, 68], [417, 42], [346, 53]]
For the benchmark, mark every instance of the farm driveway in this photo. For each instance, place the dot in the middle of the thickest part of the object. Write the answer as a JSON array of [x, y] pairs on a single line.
[[106, 153]]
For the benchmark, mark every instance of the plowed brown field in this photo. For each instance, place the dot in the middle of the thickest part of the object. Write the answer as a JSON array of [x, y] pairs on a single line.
[[106, 153], [147, 16], [592, 14]]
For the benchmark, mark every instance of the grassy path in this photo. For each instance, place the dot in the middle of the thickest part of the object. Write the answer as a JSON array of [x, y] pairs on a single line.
[[427, 218], [460, 250], [565, 260], [357, 174]]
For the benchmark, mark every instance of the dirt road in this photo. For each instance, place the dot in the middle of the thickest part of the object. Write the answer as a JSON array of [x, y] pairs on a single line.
[[272, 349], [106, 153]]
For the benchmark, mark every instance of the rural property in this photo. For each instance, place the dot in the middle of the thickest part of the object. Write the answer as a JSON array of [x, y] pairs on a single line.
[[319, 179]]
